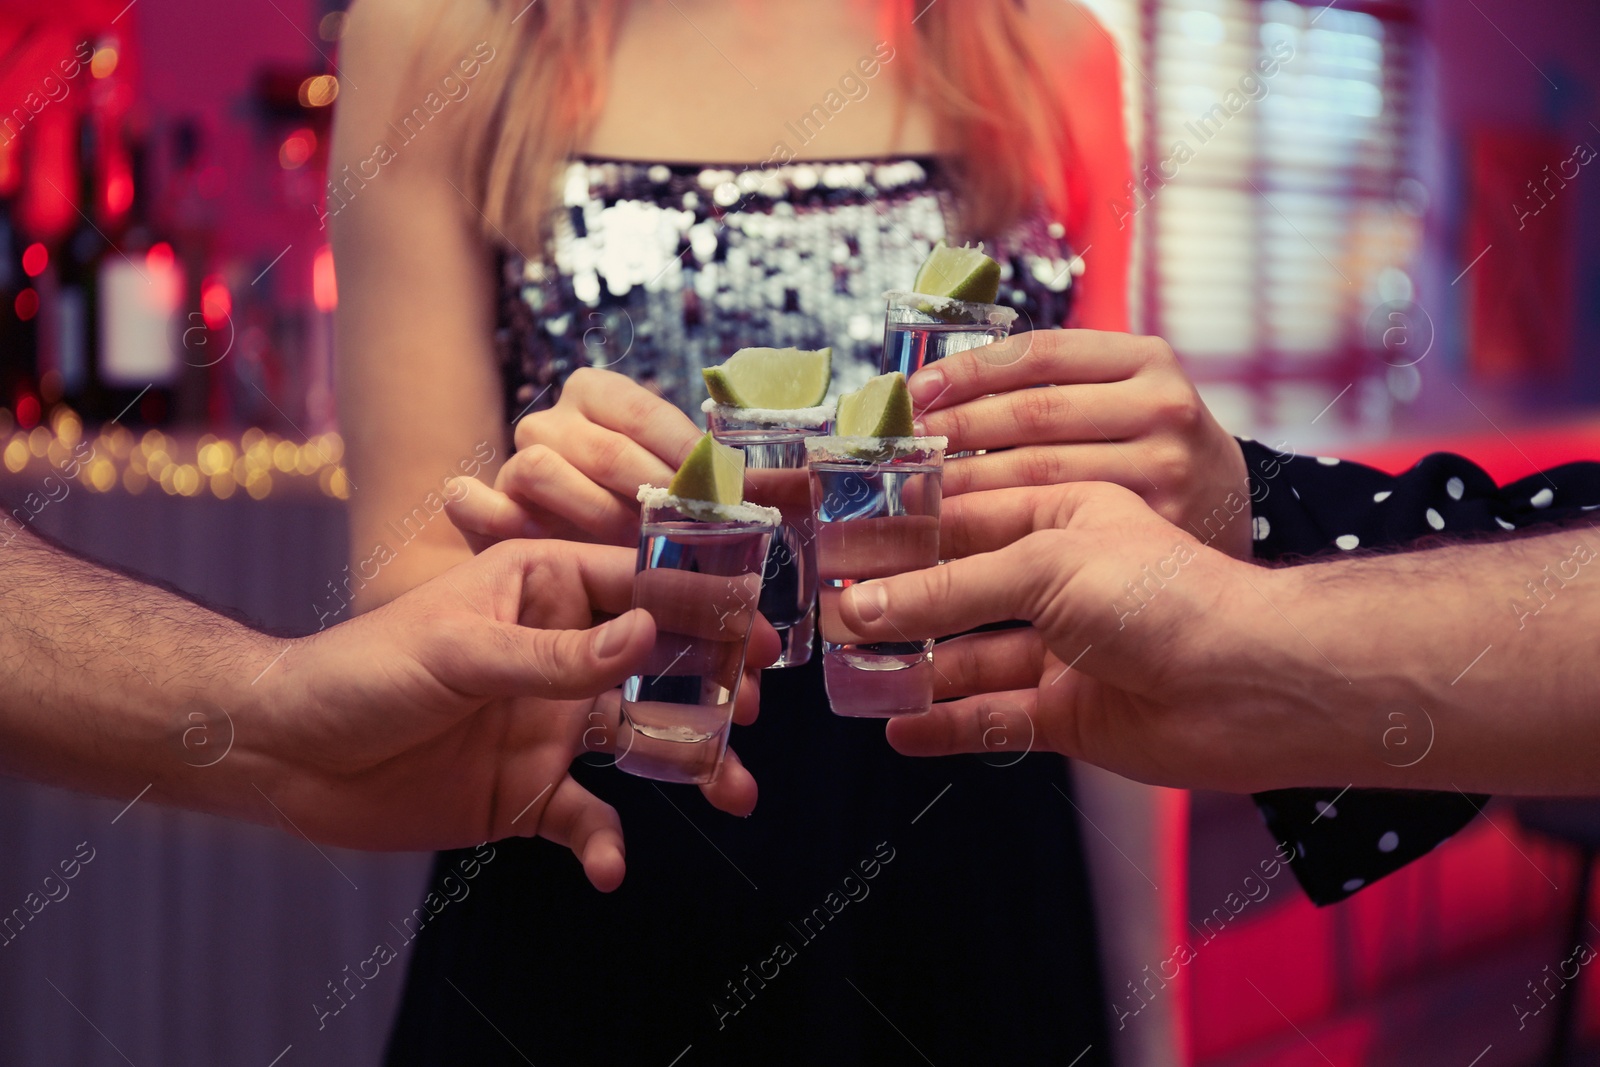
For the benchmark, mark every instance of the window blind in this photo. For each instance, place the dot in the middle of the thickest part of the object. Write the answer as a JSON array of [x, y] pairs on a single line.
[[1275, 218]]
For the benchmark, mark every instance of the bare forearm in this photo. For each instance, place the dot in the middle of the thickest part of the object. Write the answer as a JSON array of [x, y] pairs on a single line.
[[103, 673], [1471, 666]]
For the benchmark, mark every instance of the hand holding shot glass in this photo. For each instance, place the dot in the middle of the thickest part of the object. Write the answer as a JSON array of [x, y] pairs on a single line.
[[875, 490], [707, 559], [701, 555]]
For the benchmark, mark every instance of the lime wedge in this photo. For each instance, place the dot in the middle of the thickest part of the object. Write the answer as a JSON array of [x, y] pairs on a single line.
[[784, 378], [881, 408], [963, 273], [713, 473]]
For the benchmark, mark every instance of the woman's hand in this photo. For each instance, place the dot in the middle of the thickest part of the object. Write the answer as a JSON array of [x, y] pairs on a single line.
[[1055, 406], [453, 714], [578, 466]]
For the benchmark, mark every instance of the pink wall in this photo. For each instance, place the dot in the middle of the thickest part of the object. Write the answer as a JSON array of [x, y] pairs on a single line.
[[1484, 55]]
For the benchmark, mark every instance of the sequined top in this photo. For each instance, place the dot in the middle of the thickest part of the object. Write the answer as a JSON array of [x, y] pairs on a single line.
[[658, 270]]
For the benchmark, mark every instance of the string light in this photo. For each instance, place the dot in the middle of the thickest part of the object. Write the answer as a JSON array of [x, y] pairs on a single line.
[[258, 462]]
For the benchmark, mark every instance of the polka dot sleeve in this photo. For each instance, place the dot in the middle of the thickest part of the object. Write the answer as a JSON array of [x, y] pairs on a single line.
[[1302, 506]]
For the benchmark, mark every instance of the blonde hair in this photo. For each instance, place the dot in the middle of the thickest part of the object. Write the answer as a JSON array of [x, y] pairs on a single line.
[[999, 114]]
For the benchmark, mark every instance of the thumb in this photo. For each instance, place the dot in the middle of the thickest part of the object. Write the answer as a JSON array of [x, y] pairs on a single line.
[[508, 660]]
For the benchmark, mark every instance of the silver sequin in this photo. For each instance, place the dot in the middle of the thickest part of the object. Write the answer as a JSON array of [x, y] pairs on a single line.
[[658, 270]]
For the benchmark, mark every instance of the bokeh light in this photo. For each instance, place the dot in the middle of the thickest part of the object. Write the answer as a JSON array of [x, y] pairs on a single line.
[[104, 62], [216, 303], [324, 288], [160, 257], [319, 91], [297, 148]]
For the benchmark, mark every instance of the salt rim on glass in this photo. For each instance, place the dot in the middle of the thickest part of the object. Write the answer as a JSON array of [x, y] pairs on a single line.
[[798, 418], [899, 444], [652, 496], [973, 313]]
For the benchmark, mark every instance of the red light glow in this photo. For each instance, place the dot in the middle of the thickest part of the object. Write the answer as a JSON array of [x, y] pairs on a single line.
[[160, 257], [296, 149], [27, 304], [119, 194], [35, 258], [216, 303], [324, 290], [28, 411]]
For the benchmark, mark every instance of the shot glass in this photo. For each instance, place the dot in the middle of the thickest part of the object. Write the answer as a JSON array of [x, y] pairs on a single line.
[[774, 448], [876, 503], [919, 329], [699, 576]]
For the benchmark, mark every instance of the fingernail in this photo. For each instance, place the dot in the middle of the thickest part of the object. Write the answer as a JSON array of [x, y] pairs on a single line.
[[454, 489], [613, 636], [870, 601], [919, 427], [927, 384]]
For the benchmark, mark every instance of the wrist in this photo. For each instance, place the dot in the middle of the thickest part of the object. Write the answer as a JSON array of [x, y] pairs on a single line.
[[223, 739]]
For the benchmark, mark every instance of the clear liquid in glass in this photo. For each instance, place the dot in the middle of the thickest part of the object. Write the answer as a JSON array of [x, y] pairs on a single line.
[[908, 347], [874, 520], [701, 582]]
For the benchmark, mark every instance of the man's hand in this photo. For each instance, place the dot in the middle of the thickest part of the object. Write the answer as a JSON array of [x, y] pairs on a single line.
[[1141, 638], [451, 715], [1056, 406]]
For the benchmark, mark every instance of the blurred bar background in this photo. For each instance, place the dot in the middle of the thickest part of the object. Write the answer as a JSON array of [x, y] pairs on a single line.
[[1388, 244]]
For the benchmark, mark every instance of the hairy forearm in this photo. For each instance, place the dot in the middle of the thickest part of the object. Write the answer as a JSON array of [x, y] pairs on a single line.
[[112, 684], [1469, 666]]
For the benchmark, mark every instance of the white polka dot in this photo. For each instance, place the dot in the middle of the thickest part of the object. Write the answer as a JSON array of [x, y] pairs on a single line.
[[1353, 884], [1260, 527], [1347, 542], [1435, 519], [1590, 507], [1295, 491], [1326, 810], [1378, 498], [1328, 461], [1504, 525], [1543, 498], [1389, 842], [1300, 847], [1455, 487]]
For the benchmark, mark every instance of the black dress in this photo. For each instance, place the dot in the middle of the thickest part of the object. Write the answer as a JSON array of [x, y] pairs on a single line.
[[875, 909]]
